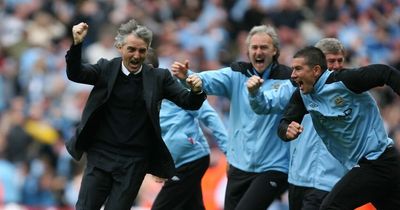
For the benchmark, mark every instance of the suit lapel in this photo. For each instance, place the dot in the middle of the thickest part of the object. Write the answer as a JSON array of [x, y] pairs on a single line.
[[115, 69], [148, 85]]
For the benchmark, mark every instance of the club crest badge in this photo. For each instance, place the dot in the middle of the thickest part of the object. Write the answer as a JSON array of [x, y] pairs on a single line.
[[339, 101], [275, 86]]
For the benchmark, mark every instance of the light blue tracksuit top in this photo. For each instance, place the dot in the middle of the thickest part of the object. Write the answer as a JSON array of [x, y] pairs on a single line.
[[253, 144], [311, 165], [350, 124], [182, 134]]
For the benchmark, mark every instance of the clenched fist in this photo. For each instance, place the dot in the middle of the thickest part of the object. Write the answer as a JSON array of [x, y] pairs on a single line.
[[254, 83], [79, 32], [194, 83], [294, 130]]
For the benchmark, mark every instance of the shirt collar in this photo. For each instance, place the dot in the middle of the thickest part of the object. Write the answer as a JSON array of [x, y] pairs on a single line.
[[126, 71], [266, 72]]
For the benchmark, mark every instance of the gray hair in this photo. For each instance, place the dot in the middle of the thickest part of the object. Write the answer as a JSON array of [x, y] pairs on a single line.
[[330, 45], [270, 31], [132, 27]]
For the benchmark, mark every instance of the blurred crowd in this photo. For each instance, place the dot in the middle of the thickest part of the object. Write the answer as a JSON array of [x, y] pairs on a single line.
[[39, 107]]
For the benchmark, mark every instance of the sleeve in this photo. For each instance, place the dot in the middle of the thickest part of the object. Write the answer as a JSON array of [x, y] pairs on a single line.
[[218, 82], [294, 111], [271, 101], [78, 72], [367, 77], [180, 95], [215, 82], [210, 118]]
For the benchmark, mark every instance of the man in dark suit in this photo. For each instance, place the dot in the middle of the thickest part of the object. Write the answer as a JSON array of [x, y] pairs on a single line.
[[120, 130]]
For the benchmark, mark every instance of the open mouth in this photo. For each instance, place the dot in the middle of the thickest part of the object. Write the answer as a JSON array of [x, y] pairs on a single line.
[[134, 63], [300, 84], [259, 62]]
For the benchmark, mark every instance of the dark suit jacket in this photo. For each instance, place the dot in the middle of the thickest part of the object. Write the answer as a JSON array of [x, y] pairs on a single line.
[[157, 85]]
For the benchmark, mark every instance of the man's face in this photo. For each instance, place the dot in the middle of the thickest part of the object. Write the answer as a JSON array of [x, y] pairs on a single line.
[[133, 53], [335, 61], [304, 75], [261, 50]]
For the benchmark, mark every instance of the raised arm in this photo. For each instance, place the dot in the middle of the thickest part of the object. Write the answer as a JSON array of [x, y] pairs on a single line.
[[368, 77], [268, 101], [175, 92], [290, 125], [76, 71]]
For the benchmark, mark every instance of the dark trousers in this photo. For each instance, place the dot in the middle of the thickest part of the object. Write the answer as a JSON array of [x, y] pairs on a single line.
[[375, 181], [185, 193], [305, 198], [115, 179], [253, 191]]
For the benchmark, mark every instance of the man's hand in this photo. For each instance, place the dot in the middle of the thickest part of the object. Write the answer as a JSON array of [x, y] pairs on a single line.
[[254, 83], [180, 70], [294, 130], [79, 32], [194, 83]]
